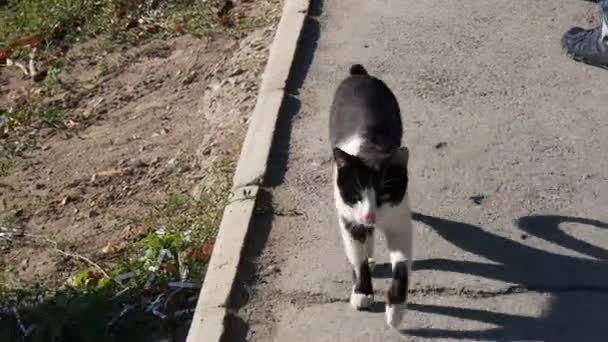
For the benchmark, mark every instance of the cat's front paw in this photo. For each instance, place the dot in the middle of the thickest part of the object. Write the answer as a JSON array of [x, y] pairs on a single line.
[[361, 301], [394, 314]]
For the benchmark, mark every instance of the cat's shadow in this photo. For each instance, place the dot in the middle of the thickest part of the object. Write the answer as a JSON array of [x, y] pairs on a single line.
[[382, 271], [377, 307]]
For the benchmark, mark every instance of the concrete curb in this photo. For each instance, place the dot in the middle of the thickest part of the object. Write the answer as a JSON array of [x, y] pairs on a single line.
[[211, 308]]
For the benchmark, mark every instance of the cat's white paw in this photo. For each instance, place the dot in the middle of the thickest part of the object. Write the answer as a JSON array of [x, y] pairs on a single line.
[[372, 264], [360, 301], [394, 314]]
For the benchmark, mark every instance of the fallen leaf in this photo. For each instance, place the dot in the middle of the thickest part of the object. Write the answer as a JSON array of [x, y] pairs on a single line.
[[179, 28], [120, 11], [152, 28], [31, 40], [110, 248], [203, 253], [169, 267], [93, 278]]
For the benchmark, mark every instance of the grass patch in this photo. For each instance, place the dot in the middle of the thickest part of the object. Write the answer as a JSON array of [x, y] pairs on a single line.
[[29, 114], [55, 25], [136, 302]]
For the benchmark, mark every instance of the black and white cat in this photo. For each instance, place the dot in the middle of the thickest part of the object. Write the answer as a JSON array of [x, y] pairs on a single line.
[[370, 185]]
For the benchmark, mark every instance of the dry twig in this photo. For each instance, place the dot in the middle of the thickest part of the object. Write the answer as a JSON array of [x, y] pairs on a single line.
[[70, 254]]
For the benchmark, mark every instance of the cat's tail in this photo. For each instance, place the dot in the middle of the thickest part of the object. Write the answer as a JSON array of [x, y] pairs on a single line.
[[358, 69]]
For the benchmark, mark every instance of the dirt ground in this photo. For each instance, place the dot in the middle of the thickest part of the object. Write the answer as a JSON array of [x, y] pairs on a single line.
[[142, 123]]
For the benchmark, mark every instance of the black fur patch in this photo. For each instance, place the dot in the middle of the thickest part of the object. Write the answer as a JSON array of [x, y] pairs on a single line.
[[397, 293], [359, 232], [365, 105], [363, 284]]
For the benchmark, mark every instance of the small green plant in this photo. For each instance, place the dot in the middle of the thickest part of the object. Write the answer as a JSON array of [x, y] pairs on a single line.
[[50, 116], [31, 112]]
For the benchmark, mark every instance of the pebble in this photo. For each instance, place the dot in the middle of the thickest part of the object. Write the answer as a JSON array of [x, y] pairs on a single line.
[[477, 199], [441, 145]]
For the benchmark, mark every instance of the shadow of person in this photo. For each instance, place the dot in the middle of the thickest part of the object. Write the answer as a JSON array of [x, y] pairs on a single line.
[[578, 286], [547, 227]]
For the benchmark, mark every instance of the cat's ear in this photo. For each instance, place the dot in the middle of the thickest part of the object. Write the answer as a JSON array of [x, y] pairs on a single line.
[[401, 156], [342, 158]]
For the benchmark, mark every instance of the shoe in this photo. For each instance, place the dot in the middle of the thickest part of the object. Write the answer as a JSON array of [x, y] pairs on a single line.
[[587, 46]]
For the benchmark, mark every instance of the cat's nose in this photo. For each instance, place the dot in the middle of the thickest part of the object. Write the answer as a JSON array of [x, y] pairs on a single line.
[[369, 218]]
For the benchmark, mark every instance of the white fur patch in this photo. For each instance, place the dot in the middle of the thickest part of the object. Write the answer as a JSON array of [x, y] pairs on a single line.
[[352, 145], [604, 29], [394, 314], [360, 301]]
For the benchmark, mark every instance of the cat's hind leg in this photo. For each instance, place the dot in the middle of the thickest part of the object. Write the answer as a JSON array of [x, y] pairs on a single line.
[[355, 237]]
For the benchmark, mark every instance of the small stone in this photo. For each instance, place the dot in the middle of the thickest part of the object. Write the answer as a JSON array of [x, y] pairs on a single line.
[[502, 188], [74, 183], [190, 78], [24, 264], [441, 144], [477, 199], [66, 200], [273, 269], [138, 163]]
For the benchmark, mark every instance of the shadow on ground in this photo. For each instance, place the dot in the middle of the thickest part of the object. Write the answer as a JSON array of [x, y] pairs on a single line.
[[235, 327], [578, 286]]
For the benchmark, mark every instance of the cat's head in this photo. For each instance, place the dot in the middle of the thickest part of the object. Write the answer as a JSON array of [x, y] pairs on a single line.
[[364, 189]]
